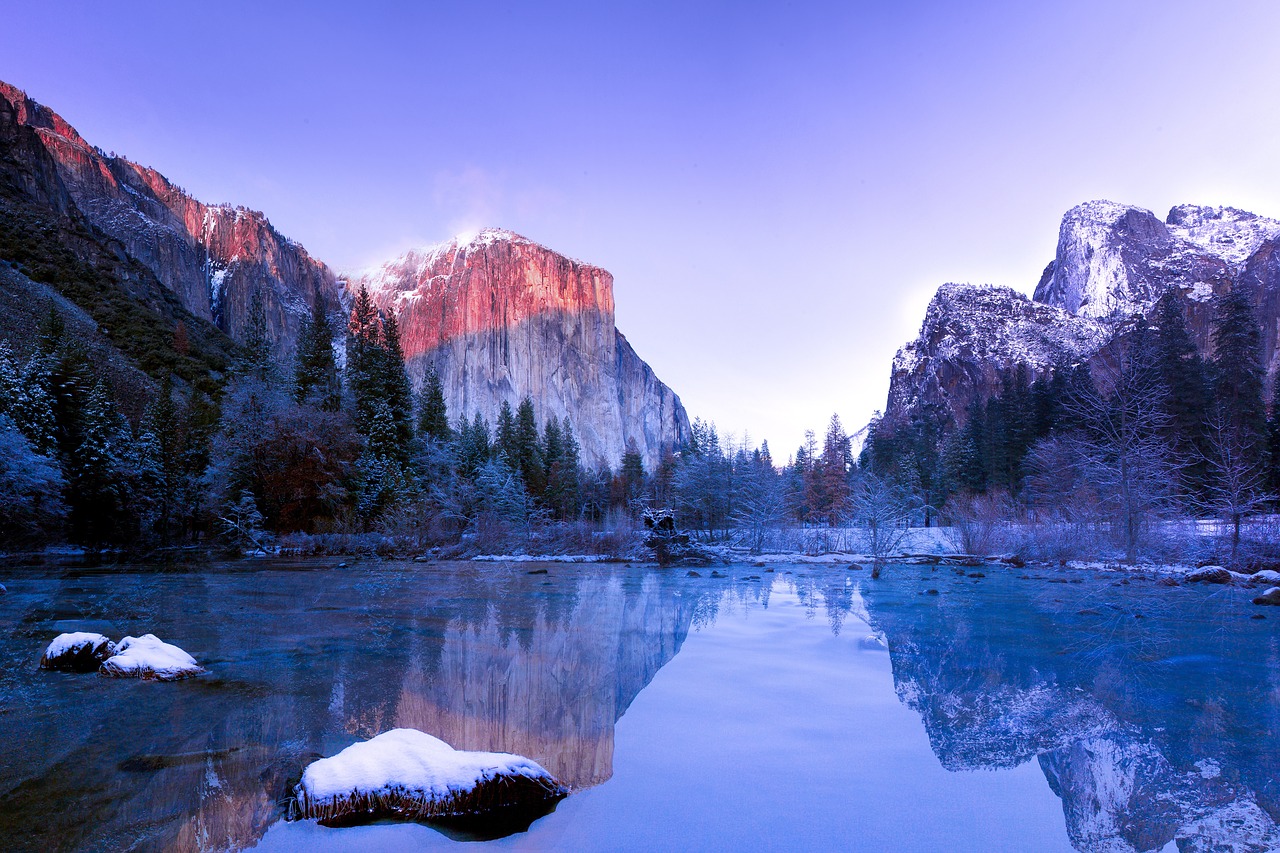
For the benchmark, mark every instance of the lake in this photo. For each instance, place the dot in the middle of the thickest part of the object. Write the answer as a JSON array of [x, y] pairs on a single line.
[[804, 708]]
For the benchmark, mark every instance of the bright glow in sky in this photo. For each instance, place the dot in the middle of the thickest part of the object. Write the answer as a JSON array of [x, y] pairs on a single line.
[[777, 188]]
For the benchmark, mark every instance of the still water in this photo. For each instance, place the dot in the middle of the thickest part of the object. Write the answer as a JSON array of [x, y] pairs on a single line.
[[808, 709]]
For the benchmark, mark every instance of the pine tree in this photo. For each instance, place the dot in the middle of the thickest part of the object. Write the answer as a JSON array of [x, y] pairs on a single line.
[[834, 468], [505, 438], [1181, 373], [433, 417], [257, 361], [364, 359], [1237, 368], [94, 489], [474, 448], [315, 379], [1236, 427], [528, 460], [396, 390]]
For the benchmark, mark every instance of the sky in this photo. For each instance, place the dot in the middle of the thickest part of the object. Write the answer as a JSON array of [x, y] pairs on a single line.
[[777, 188]]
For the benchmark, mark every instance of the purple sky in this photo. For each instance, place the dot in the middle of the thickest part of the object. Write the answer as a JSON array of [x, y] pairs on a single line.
[[777, 189]]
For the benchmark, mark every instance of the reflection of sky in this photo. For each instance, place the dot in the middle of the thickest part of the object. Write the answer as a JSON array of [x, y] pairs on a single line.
[[796, 179], [768, 732]]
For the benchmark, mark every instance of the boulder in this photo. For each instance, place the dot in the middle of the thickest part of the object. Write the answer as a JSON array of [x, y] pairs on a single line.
[[405, 774], [79, 651], [151, 658], [1271, 596], [1209, 574]]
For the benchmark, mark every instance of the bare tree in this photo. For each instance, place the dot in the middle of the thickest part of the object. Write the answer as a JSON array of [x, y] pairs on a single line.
[[977, 521], [761, 504], [1121, 451], [1238, 478], [883, 509]]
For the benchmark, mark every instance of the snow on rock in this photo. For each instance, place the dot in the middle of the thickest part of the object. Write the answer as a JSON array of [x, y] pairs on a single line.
[[79, 651], [1265, 576], [1271, 596], [408, 774], [972, 336], [150, 657], [1209, 574]]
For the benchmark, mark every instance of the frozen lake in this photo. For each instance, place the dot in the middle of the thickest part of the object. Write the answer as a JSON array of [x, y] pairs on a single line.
[[808, 709]]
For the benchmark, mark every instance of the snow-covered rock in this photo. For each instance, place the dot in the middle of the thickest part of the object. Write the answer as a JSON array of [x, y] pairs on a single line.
[[79, 651], [408, 774], [150, 657], [1113, 262], [972, 336], [1271, 596], [1265, 576], [1209, 574]]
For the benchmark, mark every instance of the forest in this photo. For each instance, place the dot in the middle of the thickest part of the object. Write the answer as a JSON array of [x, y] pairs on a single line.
[[1093, 455]]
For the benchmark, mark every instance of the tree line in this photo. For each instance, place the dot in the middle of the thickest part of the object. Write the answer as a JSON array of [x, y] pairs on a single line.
[[1147, 430]]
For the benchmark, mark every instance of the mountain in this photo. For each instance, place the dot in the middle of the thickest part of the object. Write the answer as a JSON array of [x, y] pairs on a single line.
[[1113, 262], [501, 317], [126, 255], [213, 258]]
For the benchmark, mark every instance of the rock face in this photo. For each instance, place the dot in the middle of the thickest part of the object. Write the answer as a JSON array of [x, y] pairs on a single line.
[[1113, 262], [212, 257], [973, 336], [500, 318]]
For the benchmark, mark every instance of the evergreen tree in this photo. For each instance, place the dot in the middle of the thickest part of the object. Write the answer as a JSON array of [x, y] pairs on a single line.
[[474, 448], [835, 466], [1237, 370], [505, 438], [396, 390], [257, 361], [365, 359], [528, 459], [315, 378], [433, 417], [94, 487], [1180, 372]]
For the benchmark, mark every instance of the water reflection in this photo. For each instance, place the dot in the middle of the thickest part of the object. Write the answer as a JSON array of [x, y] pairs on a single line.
[[1153, 712], [303, 662]]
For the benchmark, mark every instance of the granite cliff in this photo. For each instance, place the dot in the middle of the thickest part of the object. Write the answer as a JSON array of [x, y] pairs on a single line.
[[1113, 262], [212, 257], [500, 318]]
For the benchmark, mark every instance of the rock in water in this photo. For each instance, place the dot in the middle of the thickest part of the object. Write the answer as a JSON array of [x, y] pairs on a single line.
[[410, 775], [1209, 574], [151, 658], [77, 652], [1271, 596]]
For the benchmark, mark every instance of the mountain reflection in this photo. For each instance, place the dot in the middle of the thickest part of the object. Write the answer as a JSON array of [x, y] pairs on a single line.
[[1153, 712], [302, 664]]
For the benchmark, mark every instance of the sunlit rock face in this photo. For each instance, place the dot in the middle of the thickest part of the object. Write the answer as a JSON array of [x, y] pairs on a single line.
[[212, 257], [1113, 262], [1150, 731], [501, 318]]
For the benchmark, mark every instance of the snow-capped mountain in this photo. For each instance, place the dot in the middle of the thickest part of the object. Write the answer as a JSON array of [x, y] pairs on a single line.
[[1113, 262]]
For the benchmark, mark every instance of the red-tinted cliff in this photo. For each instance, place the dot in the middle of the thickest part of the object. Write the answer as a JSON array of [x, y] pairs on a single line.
[[213, 257], [501, 318]]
